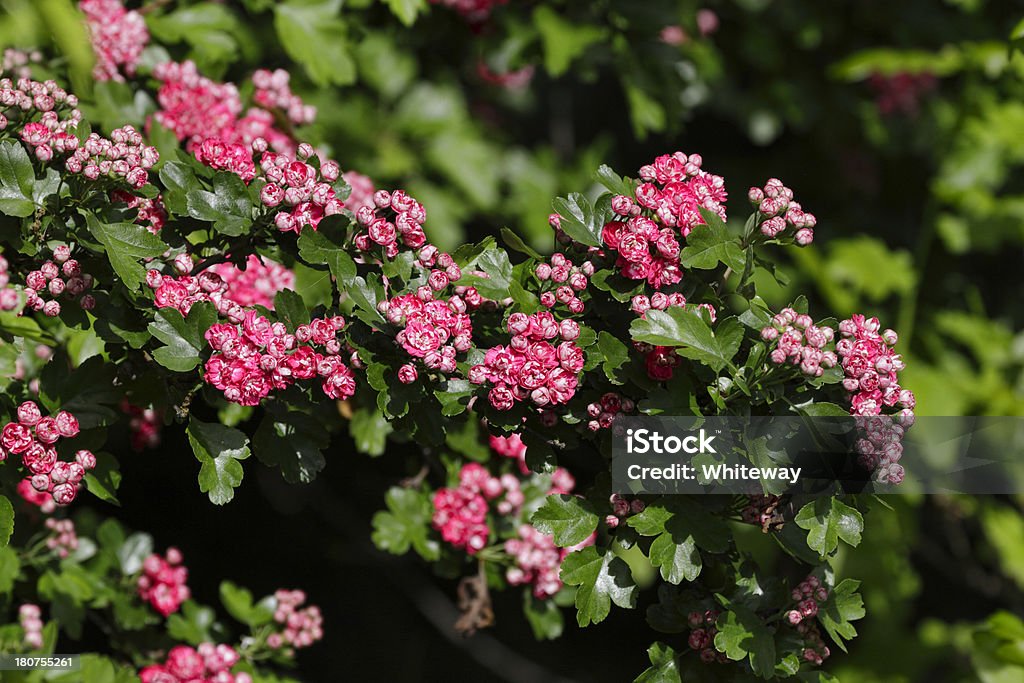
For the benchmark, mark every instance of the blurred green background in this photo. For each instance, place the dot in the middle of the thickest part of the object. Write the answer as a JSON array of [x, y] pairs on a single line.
[[899, 124]]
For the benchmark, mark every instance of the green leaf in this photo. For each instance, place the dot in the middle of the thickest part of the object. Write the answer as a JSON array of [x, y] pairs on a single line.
[[104, 479], [686, 329], [543, 616], [601, 578], [16, 179], [291, 309], [454, 396], [824, 409], [180, 180], [293, 441], [494, 262], [664, 667], [406, 10], [711, 244], [219, 450], [135, 549], [516, 243], [192, 624], [681, 526], [577, 219], [843, 605], [614, 355], [316, 248], [239, 604], [126, 244], [615, 183], [10, 568], [405, 524], [228, 207], [568, 518], [563, 40], [827, 520], [742, 634], [678, 561], [6, 521], [314, 35], [369, 429], [184, 336]]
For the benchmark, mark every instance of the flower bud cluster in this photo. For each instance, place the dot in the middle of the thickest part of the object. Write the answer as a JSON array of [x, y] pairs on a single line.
[[703, 630], [798, 341], [122, 157], [62, 539], [58, 276], [163, 582], [303, 626], [41, 500], [531, 368], [18, 63], [194, 107], [31, 622], [35, 437], [144, 425], [562, 282], [395, 220], [538, 560], [42, 113], [302, 193], [762, 510], [227, 156], [511, 446], [774, 202], [881, 446], [602, 412], [151, 212], [118, 38], [207, 663], [808, 596], [433, 330], [623, 507], [273, 92], [871, 366]]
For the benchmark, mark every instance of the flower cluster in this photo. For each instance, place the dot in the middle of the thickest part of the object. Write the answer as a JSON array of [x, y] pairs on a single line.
[[227, 156], [272, 92], [460, 513], [474, 11], [57, 112], [257, 283], [151, 212], [34, 437], [623, 507], [123, 156], [433, 331], [362, 191], [302, 627], [531, 368], [702, 635], [881, 446], [602, 412], [41, 500], [163, 580], [516, 79], [207, 663], [567, 281], [62, 539], [511, 446], [30, 619], [19, 63], [194, 107], [118, 38], [300, 187], [798, 341], [809, 596], [144, 425], [394, 220], [537, 560], [871, 366], [774, 202], [254, 357], [44, 285]]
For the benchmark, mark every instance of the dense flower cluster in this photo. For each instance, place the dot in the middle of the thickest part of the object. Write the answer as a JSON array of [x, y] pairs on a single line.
[[434, 330], [304, 192], [122, 157], [30, 620], [531, 368], [45, 115], [809, 596], [623, 507], [163, 582], [273, 92], [798, 341], [254, 357], [702, 636], [257, 283], [151, 212], [871, 365], [537, 560], [62, 539], [46, 284], [303, 626], [118, 38], [194, 107], [394, 220], [207, 663], [144, 425], [18, 63], [774, 202], [566, 282], [602, 412], [227, 156], [511, 446], [460, 513], [34, 437], [362, 190], [881, 446]]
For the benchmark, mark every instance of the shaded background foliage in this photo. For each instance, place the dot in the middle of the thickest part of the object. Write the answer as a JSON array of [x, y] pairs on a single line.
[[898, 124]]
